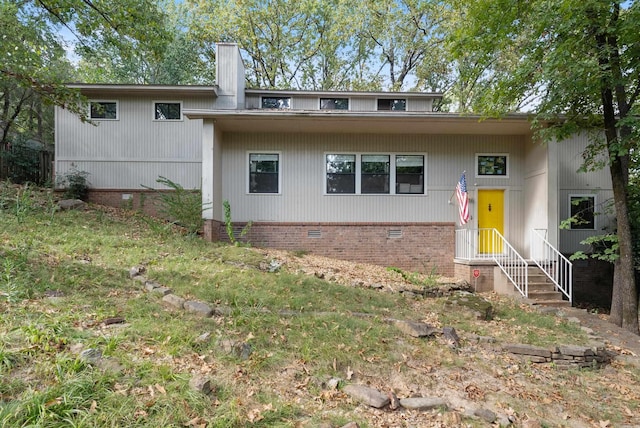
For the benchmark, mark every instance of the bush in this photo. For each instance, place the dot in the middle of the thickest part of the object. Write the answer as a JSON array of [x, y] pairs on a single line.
[[75, 184]]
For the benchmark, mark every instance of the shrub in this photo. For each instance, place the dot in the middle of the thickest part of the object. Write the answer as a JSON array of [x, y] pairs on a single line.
[[181, 206], [74, 183]]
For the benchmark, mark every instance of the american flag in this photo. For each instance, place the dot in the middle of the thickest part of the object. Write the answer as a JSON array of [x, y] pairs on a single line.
[[463, 199]]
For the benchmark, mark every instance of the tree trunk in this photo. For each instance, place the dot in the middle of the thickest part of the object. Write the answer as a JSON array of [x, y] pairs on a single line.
[[624, 304]]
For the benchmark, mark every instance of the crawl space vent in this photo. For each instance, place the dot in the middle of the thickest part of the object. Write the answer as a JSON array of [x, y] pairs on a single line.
[[394, 233], [313, 234]]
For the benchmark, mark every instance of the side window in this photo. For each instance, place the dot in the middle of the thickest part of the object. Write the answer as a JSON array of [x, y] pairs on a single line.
[[582, 209], [276, 102], [341, 173], [409, 174], [104, 110], [388, 104], [167, 110], [264, 173], [334, 103]]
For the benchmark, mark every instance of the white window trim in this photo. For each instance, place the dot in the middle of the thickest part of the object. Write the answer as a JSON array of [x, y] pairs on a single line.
[[392, 174], [248, 171], [333, 98], [104, 101], [477, 166], [595, 217], [153, 110], [271, 96]]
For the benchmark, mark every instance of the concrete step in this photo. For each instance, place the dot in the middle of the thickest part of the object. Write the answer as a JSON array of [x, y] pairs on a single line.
[[541, 286], [539, 277], [545, 295], [556, 303]]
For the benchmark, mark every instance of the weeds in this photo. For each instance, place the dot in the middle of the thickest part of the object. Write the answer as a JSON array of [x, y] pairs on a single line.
[[228, 223], [182, 207]]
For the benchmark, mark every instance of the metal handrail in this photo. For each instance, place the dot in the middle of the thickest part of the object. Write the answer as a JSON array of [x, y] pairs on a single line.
[[555, 266], [489, 244]]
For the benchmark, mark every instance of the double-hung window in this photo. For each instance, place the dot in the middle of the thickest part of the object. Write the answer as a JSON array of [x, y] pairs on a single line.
[[409, 174], [375, 173], [167, 110], [103, 110], [341, 173], [264, 173]]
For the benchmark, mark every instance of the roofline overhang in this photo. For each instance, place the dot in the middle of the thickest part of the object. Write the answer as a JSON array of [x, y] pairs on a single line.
[[120, 89], [331, 121], [377, 94]]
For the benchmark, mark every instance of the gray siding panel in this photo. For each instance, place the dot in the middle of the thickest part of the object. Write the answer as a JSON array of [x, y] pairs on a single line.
[[302, 197], [133, 150]]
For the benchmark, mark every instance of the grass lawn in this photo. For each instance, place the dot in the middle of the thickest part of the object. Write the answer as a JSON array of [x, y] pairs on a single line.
[[64, 276]]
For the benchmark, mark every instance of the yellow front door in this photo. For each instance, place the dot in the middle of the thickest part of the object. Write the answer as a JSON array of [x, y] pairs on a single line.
[[490, 216]]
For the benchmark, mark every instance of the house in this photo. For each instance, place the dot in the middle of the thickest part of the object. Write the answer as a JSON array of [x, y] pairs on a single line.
[[365, 176]]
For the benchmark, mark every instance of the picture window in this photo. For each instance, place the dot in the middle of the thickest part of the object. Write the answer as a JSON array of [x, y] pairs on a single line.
[[492, 165]]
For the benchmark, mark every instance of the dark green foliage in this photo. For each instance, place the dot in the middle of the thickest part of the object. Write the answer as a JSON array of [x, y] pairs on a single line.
[[75, 184]]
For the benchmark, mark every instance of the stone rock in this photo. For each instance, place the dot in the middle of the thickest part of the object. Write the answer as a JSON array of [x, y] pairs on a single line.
[[423, 403], [486, 415], [163, 291], [113, 320], [369, 396], [200, 384], [333, 383], [478, 305], [173, 300], [71, 204], [394, 403], [575, 351], [199, 308], [416, 329], [151, 285], [203, 338], [136, 270], [91, 355], [351, 425], [376, 286], [220, 311], [527, 350], [241, 350], [451, 336]]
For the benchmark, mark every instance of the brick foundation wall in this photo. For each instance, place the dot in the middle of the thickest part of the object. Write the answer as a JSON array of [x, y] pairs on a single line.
[[485, 282], [411, 246], [138, 200]]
